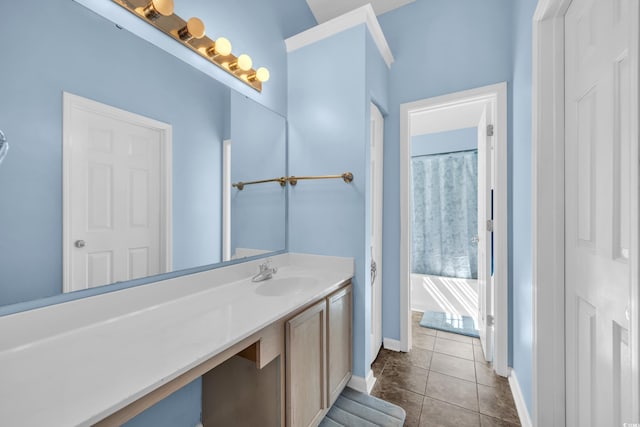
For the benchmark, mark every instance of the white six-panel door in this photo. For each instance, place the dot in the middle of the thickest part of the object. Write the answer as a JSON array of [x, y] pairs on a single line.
[[377, 140], [115, 194], [599, 200]]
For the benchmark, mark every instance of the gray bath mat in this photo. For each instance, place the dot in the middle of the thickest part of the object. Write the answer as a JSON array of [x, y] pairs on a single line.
[[355, 409], [463, 325]]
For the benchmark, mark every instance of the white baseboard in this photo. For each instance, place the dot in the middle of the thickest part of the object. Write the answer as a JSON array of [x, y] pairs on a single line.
[[363, 385], [391, 344], [521, 406]]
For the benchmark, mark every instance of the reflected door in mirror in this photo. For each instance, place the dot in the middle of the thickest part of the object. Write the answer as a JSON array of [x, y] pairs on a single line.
[[115, 193]]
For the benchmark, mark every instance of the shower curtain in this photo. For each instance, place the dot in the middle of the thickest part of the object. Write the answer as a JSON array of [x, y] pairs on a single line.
[[445, 214]]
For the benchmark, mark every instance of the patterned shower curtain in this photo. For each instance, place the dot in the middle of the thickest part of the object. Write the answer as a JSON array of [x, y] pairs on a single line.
[[445, 214]]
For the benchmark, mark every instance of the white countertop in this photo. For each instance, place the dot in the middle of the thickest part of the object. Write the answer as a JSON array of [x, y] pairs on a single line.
[[76, 363]]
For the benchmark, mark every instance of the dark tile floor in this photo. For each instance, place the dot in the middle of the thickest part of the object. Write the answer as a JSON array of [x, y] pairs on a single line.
[[444, 381]]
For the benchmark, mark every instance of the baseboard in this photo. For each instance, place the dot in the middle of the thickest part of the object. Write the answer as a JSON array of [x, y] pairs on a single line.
[[391, 344], [521, 406], [363, 385]]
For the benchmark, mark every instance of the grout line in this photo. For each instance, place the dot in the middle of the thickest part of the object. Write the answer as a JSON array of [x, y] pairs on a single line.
[[457, 378], [457, 357], [454, 404]]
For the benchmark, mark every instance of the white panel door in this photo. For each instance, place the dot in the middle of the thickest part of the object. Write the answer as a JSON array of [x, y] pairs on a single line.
[[377, 140], [601, 168], [485, 288], [115, 201]]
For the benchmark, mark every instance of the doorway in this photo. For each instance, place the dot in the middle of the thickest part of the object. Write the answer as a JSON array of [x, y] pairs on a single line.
[[484, 109], [444, 240], [116, 195]]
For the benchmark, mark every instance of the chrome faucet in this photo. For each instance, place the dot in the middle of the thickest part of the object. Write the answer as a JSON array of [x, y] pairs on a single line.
[[266, 272]]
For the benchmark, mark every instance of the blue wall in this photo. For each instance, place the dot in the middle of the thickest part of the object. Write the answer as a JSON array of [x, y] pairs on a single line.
[[258, 151], [329, 134], [521, 301], [444, 142], [440, 46], [180, 409]]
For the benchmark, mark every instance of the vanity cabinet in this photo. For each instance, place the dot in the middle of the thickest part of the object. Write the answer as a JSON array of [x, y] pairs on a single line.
[[339, 333], [306, 361], [318, 358]]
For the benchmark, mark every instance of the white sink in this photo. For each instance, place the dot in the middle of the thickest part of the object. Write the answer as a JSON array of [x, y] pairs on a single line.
[[281, 286]]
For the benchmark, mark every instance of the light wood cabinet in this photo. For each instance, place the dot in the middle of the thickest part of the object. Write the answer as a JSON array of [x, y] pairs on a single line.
[[339, 333], [306, 366], [289, 373], [318, 358]]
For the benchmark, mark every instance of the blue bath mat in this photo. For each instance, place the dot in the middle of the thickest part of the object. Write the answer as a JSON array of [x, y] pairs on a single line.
[[463, 325], [355, 409]]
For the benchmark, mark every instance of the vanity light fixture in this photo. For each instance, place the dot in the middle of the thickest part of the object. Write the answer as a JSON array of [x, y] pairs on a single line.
[[191, 34]]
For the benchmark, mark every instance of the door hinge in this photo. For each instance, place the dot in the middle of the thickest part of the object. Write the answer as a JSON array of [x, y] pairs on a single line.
[[490, 320], [490, 225], [489, 130]]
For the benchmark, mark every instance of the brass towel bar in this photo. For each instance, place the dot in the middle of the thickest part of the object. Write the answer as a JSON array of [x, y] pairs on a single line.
[[347, 177], [240, 185], [293, 180]]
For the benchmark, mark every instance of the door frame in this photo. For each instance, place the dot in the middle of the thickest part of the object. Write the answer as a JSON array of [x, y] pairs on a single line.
[[548, 286], [226, 200], [71, 102], [496, 94]]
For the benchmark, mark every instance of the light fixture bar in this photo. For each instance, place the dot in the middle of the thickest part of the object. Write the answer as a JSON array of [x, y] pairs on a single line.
[[191, 34]]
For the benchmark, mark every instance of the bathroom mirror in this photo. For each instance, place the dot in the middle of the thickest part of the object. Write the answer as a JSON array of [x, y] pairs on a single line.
[[218, 137]]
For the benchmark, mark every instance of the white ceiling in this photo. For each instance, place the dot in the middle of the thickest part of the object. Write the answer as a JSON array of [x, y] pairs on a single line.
[[324, 10], [447, 118]]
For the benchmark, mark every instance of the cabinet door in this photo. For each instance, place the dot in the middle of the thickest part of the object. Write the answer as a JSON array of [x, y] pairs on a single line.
[[306, 367], [339, 342]]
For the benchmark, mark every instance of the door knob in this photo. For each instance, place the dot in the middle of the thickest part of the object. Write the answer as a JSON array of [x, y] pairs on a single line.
[[80, 244]]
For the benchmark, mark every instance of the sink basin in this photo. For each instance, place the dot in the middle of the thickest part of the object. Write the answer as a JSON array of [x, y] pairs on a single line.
[[277, 287]]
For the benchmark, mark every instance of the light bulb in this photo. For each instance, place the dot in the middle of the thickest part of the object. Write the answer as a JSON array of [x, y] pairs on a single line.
[[222, 46], [262, 74], [156, 8], [193, 29], [244, 62]]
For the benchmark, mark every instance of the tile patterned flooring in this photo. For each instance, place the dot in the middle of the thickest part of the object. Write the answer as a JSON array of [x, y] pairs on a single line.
[[444, 381]]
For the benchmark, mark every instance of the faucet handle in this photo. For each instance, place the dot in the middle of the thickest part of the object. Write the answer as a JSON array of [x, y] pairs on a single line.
[[265, 265]]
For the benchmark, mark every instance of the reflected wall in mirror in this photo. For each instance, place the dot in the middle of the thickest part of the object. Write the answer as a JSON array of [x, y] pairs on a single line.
[[256, 210], [79, 52]]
